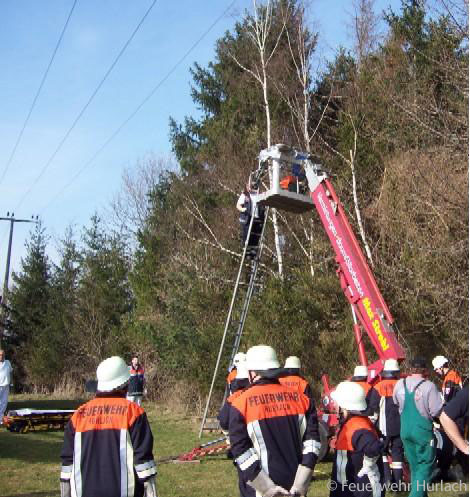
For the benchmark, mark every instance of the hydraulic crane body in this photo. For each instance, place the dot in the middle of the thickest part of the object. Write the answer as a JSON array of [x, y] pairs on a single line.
[[356, 279]]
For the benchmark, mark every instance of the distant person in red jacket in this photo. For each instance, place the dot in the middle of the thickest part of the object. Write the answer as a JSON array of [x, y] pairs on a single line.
[[136, 387], [360, 376], [451, 381]]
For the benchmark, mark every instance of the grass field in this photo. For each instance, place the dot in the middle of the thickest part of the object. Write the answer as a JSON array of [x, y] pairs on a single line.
[[30, 463]]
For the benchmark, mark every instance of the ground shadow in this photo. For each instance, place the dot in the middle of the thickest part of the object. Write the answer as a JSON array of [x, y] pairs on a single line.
[[31, 447], [51, 493]]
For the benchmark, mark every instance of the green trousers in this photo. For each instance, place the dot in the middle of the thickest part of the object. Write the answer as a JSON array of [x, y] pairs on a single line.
[[416, 435], [421, 456]]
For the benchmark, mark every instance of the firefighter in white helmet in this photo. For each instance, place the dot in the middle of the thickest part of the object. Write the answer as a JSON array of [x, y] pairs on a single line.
[[273, 431], [240, 382], [108, 442], [357, 468], [237, 359], [451, 380], [388, 420], [360, 376], [238, 385], [292, 378]]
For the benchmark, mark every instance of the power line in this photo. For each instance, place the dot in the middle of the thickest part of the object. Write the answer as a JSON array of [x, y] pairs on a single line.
[[137, 109], [84, 108], [59, 41]]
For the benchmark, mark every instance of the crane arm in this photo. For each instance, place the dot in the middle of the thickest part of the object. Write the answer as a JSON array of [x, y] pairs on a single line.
[[356, 278]]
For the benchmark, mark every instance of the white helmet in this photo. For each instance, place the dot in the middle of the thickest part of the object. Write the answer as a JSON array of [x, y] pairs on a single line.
[[261, 358], [238, 358], [391, 366], [350, 395], [242, 371], [439, 361], [111, 374], [292, 362], [360, 371]]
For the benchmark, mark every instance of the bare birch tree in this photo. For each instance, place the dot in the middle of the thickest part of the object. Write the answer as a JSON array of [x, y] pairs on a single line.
[[364, 26], [259, 31], [128, 209]]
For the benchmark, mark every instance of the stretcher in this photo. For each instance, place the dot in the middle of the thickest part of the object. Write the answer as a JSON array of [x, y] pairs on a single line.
[[214, 448], [24, 420]]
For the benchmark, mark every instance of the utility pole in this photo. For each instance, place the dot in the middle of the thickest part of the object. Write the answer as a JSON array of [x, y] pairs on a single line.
[[11, 218]]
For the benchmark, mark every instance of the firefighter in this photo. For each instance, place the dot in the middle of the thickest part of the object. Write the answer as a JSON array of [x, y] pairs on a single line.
[[239, 384], [292, 378], [451, 382], [247, 210], [418, 402], [357, 468], [108, 442], [273, 431], [241, 380], [136, 387], [238, 358], [360, 377], [388, 420]]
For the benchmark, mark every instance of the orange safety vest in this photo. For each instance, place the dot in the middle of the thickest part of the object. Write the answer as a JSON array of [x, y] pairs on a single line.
[[346, 432], [451, 376], [385, 387], [232, 375]]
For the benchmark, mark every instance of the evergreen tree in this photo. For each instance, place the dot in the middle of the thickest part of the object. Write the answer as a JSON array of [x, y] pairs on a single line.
[[62, 313], [29, 302], [104, 297]]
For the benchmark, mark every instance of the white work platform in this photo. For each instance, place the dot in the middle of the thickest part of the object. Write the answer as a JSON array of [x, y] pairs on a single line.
[[285, 200]]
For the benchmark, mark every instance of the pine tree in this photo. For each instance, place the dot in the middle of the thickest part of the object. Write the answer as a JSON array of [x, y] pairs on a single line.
[[104, 297], [29, 301]]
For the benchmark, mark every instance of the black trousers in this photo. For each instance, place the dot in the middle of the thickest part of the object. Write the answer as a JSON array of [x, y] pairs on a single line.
[[255, 235]]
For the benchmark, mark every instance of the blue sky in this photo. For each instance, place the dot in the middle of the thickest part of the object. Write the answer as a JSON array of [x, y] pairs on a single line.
[[29, 31]]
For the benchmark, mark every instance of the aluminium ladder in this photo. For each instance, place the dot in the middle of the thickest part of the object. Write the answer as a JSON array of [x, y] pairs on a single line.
[[243, 312]]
